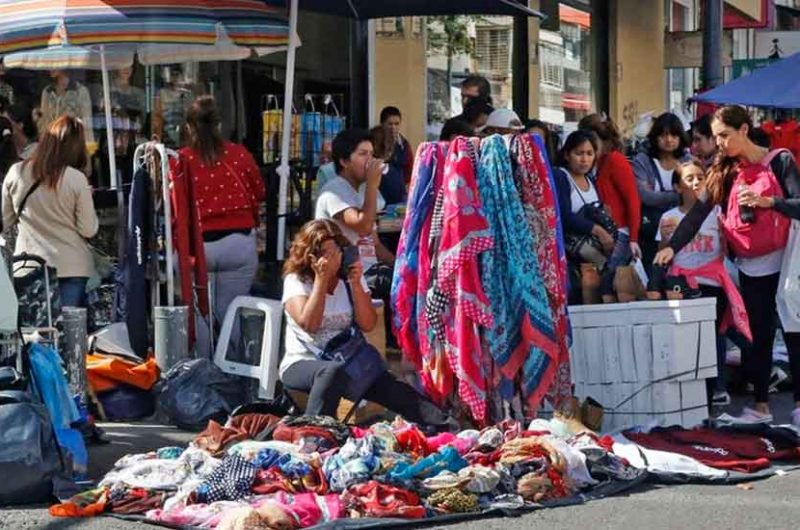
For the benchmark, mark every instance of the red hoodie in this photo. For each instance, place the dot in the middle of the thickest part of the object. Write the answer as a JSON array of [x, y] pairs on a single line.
[[617, 189]]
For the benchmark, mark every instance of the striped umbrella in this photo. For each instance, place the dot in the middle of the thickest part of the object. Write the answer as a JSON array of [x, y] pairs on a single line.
[[82, 33], [35, 24]]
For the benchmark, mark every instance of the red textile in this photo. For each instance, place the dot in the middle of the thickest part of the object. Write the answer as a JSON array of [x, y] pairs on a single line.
[[736, 451], [784, 135], [374, 499], [465, 235], [616, 186], [188, 241], [224, 201]]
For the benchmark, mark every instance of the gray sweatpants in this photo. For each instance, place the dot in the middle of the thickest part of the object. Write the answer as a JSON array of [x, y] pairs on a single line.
[[232, 264]]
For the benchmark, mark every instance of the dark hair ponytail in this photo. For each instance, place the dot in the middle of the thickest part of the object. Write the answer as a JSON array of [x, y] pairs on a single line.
[[204, 137]]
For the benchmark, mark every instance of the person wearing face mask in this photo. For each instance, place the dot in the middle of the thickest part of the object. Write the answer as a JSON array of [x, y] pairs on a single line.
[[667, 145], [356, 214], [756, 226]]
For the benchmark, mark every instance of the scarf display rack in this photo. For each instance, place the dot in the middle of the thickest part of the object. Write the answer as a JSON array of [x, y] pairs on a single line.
[[480, 283]]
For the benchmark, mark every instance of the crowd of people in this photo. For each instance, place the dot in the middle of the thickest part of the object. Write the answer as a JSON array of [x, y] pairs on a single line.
[[679, 208]]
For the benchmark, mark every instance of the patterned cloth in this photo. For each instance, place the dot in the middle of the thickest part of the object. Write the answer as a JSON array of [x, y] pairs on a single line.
[[465, 235], [523, 339], [416, 229], [536, 190], [231, 481]]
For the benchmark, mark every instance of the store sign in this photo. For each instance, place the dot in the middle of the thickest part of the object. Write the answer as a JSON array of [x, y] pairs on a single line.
[[777, 44], [684, 49]]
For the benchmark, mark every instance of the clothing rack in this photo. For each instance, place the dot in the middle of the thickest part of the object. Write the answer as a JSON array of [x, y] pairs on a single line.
[[144, 156]]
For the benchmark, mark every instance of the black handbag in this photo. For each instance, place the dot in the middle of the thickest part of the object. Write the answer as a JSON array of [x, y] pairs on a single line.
[[597, 214], [362, 362]]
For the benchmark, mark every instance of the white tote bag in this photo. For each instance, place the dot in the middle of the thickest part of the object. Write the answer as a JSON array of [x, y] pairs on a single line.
[[788, 297]]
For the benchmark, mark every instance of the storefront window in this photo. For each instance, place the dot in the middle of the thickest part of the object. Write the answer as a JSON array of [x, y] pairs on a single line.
[[565, 68]]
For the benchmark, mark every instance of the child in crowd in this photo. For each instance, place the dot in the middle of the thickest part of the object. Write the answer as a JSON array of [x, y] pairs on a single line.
[[701, 263]]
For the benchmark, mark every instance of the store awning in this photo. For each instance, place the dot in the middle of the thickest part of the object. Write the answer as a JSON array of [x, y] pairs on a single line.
[[776, 86], [367, 9]]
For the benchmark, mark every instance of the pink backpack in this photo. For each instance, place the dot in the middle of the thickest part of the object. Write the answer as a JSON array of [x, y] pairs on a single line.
[[770, 229]]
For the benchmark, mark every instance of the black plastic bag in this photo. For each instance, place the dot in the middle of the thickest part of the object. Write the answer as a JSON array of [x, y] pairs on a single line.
[[196, 391], [28, 450]]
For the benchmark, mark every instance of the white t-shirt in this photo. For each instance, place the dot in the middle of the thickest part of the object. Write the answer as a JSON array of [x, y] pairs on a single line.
[[579, 198], [336, 318], [762, 265], [703, 249], [337, 196], [665, 174]]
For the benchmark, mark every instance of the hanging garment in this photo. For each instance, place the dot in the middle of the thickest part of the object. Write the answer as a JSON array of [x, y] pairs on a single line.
[[459, 302], [416, 229], [135, 262], [188, 242], [523, 339], [536, 190]]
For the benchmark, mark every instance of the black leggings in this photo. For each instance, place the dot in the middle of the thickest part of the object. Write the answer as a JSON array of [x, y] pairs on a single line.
[[326, 382], [759, 300]]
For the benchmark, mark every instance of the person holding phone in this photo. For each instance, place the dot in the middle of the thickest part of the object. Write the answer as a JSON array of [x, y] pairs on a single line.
[[321, 300]]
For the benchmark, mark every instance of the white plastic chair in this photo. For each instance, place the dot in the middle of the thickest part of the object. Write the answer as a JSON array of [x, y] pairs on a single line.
[[266, 369]]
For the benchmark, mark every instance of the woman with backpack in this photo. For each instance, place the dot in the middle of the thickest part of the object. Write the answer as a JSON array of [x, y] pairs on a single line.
[[49, 197], [667, 148], [759, 193]]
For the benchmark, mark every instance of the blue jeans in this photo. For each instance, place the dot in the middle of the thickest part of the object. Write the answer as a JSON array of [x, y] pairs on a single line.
[[72, 291], [621, 255]]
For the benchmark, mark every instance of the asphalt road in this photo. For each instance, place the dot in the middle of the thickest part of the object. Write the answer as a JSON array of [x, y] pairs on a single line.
[[768, 504]]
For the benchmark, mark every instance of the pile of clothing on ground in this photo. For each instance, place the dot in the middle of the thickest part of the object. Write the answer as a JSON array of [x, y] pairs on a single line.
[[261, 471]]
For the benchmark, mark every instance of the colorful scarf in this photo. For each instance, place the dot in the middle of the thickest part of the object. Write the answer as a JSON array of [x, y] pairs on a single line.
[[523, 339], [533, 180], [416, 229], [458, 299]]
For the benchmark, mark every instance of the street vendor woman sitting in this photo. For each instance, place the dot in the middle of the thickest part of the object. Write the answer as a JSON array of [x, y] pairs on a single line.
[[318, 307]]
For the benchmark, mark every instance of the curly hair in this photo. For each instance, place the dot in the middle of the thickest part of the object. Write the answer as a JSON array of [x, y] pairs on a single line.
[[307, 246]]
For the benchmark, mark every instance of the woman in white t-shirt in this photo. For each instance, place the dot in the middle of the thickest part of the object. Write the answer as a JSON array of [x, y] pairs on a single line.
[[318, 308], [701, 262]]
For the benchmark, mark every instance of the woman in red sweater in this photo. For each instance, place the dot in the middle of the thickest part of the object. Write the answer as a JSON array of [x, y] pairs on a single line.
[[228, 189], [616, 186]]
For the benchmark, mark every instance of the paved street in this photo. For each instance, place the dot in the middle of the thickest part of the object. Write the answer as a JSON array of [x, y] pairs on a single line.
[[770, 504]]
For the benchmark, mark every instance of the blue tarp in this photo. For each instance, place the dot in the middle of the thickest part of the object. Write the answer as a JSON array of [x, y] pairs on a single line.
[[367, 9], [776, 85]]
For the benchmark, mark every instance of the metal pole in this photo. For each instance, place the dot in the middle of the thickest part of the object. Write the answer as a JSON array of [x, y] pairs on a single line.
[[712, 44], [75, 347], [288, 94], [171, 332]]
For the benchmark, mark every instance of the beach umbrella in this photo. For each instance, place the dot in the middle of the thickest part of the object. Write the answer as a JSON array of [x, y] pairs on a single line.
[[92, 33]]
